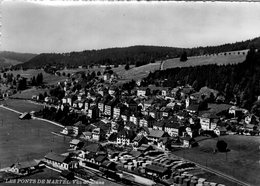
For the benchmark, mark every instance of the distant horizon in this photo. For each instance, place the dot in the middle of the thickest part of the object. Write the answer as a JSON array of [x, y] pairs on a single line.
[[126, 47], [63, 27]]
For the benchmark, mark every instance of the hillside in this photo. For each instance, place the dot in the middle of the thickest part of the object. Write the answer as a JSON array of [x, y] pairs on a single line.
[[136, 55], [132, 55], [233, 57], [238, 83], [14, 58]]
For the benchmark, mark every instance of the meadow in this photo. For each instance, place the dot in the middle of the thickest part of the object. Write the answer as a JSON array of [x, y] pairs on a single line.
[[205, 60], [48, 79], [244, 155], [22, 140], [21, 105]]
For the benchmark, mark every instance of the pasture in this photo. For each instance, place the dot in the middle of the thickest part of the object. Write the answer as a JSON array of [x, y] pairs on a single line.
[[28, 93], [205, 60], [22, 140], [47, 78], [244, 152], [21, 105]]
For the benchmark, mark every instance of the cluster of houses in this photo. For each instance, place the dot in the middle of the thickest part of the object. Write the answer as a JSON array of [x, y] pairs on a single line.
[[151, 114]]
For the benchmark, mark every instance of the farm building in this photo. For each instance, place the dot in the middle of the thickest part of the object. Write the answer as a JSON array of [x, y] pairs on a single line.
[[57, 161], [25, 115], [24, 168]]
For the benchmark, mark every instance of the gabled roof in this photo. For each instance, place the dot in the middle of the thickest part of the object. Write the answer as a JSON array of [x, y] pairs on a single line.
[[55, 157], [94, 148], [25, 164], [79, 124], [75, 142], [100, 158], [193, 107], [156, 168], [156, 133], [209, 115]]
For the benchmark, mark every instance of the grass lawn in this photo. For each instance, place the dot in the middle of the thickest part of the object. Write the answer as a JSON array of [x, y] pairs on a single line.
[[28, 93], [242, 162], [204, 60], [26, 139], [21, 105]]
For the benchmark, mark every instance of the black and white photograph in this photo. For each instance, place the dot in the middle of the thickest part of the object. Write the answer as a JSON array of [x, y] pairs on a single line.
[[122, 93]]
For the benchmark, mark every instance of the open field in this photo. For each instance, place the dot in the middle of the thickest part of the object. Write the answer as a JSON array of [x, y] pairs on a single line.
[[21, 105], [242, 162], [47, 78], [28, 93], [22, 140], [205, 60], [140, 72], [125, 75]]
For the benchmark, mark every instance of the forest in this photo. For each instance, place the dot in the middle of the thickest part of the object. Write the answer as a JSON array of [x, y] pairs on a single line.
[[135, 55]]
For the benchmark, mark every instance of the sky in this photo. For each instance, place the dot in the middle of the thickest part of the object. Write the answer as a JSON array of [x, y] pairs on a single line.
[[58, 26]]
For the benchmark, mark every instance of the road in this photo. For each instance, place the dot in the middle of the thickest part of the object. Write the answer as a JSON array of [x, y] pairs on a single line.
[[213, 171]]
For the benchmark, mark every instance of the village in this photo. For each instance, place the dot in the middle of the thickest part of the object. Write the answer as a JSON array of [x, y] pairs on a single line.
[[129, 135]]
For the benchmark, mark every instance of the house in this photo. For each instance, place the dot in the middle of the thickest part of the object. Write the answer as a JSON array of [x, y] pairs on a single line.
[[93, 148], [67, 130], [135, 118], [101, 106], [86, 135], [106, 76], [154, 112], [96, 159], [117, 110], [112, 91], [139, 140], [159, 125], [98, 134], [76, 144], [81, 104], [141, 91], [87, 104], [251, 119], [125, 115], [57, 161], [148, 104], [69, 100], [156, 170], [146, 121], [25, 115], [93, 112], [78, 128], [165, 112], [162, 143], [193, 109], [220, 131], [208, 121], [131, 104], [182, 115], [124, 137], [155, 135], [187, 141], [172, 127], [165, 92], [24, 168], [109, 108], [236, 111]]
